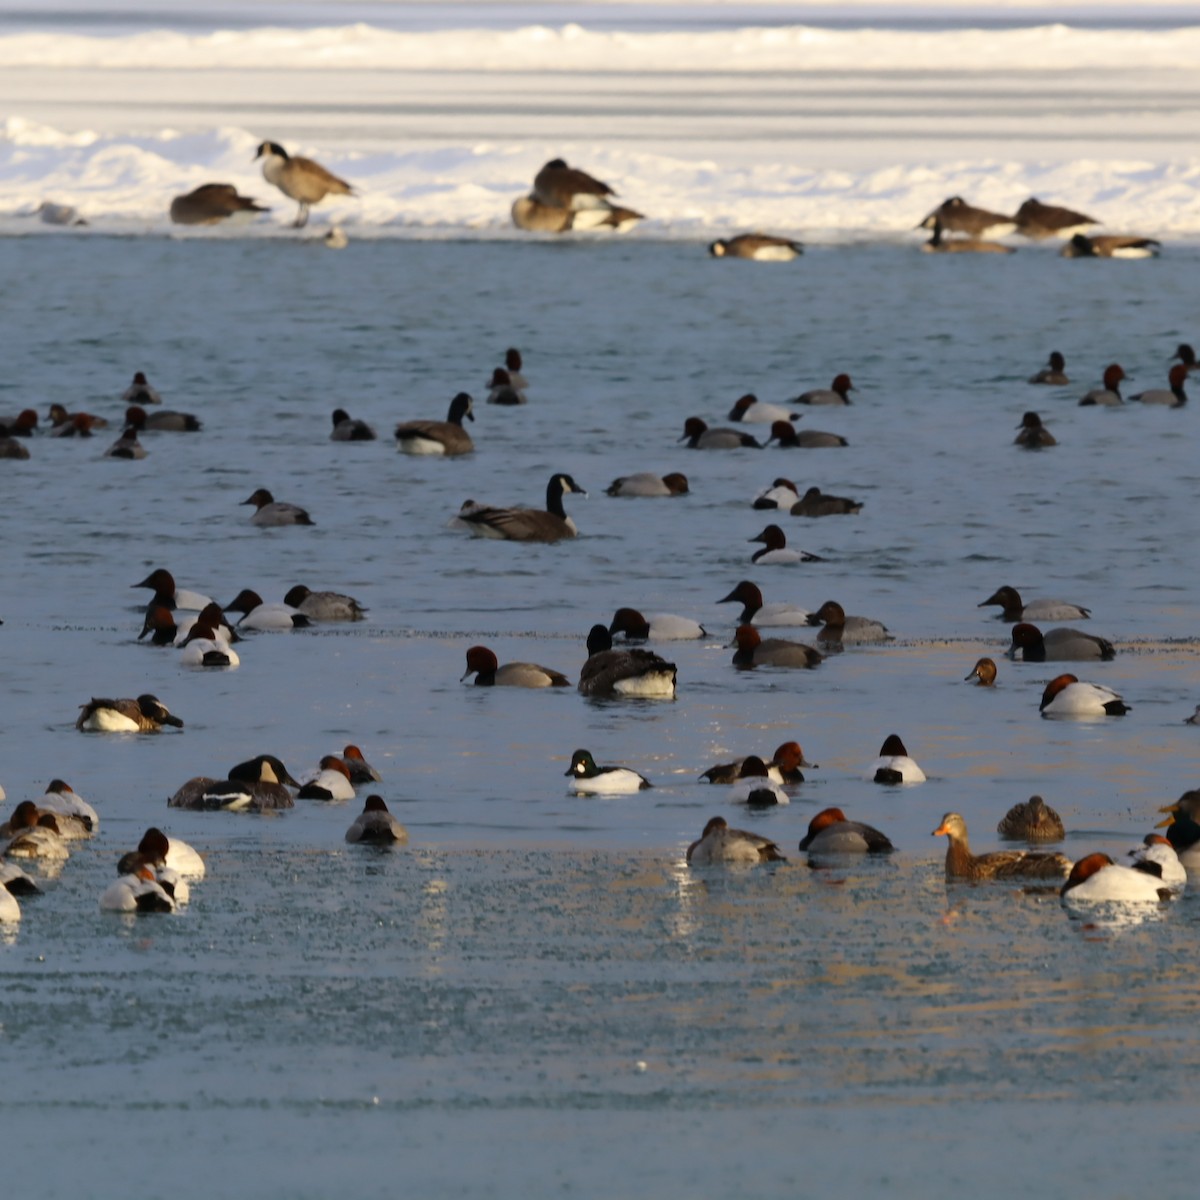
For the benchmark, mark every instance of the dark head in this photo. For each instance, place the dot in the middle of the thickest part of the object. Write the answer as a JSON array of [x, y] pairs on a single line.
[[275, 148]]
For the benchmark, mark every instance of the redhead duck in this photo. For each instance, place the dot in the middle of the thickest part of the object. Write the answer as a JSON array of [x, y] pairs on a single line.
[[829, 832], [814, 503], [166, 421], [955, 215], [447, 437], [755, 787], [528, 524], [784, 432], [1066, 696], [1033, 434], [775, 550], [1172, 397], [1057, 645], [347, 429], [271, 512], [483, 664], [170, 853], [1186, 355], [332, 782], [168, 595], [1156, 849], [784, 767], [1054, 373], [1108, 396], [894, 764], [140, 391], [752, 411], [782, 494], [65, 424], [62, 798], [658, 627], [646, 483], [127, 446], [755, 612], [841, 630], [1096, 879], [210, 203], [1110, 246], [139, 892], [23, 425], [760, 247], [1013, 609], [300, 179], [361, 771], [259, 784], [699, 437], [719, 845], [984, 671], [999, 864], [939, 244], [1031, 821], [11, 448], [265, 617], [838, 392], [146, 714], [515, 367], [376, 826], [752, 651], [502, 391], [324, 606], [1037, 220], [587, 779], [631, 673], [1183, 828]]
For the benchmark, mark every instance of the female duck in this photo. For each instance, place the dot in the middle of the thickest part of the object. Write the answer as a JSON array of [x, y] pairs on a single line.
[[1000, 864], [984, 671], [1032, 821], [646, 483], [719, 845], [1054, 373], [587, 779], [815, 503]]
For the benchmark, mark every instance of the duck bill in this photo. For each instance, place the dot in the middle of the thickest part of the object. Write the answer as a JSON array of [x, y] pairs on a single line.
[[940, 831]]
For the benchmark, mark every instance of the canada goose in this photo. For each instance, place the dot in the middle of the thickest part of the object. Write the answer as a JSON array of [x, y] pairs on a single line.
[[955, 215], [761, 247], [1038, 220], [300, 179], [550, 524], [446, 437], [530, 214], [146, 714], [1110, 246], [938, 244], [566, 187], [210, 203]]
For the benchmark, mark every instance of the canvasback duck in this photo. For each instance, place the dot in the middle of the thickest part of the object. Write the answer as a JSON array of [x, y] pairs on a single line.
[[166, 421], [23, 816], [324, 606], [61, 422], [63, 799], [782, 494], [1096, 879], [755, 612], [146, 714], [483, 664], [347, 429], [1156, 849], [501, 390], [1183, 828], [752, 651], [999, 864], [15, 882], [646, 483], [984, 671], [1110, 246], [259, 784], [1031, 821], [894, 764], [11, 448], [829, 832], [841, 630], [167, 595], [515, 367], [719, 845], [529, 213], [759, 247], [205, 646], [1066, 696], [587, 779], [300, 179], [271, 512], [1013, 609], [699, 437], [140, 391], [375, 825], [332, 782], [788, 438], [127, 446], [43, 839], [658, 627], [139, 892], [955, 215], [940, 244], [815, 503], [1037, 220], [754, 785], [169, 853], [784, 767], [775, 550], [528, 524], [1033, 434], [265, 617], [838, 392], [1108, 396], [1186, 355], [634, 673], [133, 865], [1057, 645], [361, 771], [211, 203], [1054, 373], [750, 410], [1173, 396]]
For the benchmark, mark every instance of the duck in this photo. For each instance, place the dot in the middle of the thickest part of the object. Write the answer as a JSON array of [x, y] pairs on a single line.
[[23, 425], [50, 213], [1172, 396], [170, 853], [1054, 373], [782, 494], [206, 646], [23, 816], [1066, 696], [146, 714], [645, 483], [141, 391], [1110, 246], [139, 892], [212, 203], [528, 524], [785, 433], [759, 247], [1096, 879], [529, 213], [894, 764], [1037, 220], [587, 779], [14, 881], [1013, 609], [750, 410], [11, 448], [127, 446], [1186, 355], [270, 512], [347, 429], [65, 424], [61, 798], [754, 785], [1154, 848], [829, 832], [841, 630], [999, 864], [699, 437], [1033, 820], [483, 664], [815, 503], [627, 672], [753, 651], [755, 612], [43, 839], [360, 770], [957, 216], [272, 617], [1183, 828], [719, 845], [1057, 645], [515, 366], [324, 606], [259, 784], [332, 782], [446, 438], [10, 907], [838, 392], [1194, 719], [984, 671], [167, 595], [1108, 396], [300, 179], [501, 390], [939, 244], [1033, 434], [784, 767], [658, 627], [166, 421], [775, 550], [376, 826]]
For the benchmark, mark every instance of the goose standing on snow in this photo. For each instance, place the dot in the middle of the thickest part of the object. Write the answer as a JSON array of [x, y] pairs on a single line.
[[299, 179]]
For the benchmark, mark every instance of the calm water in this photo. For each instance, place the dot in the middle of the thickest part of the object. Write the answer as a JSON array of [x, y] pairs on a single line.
[[507, 974]]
